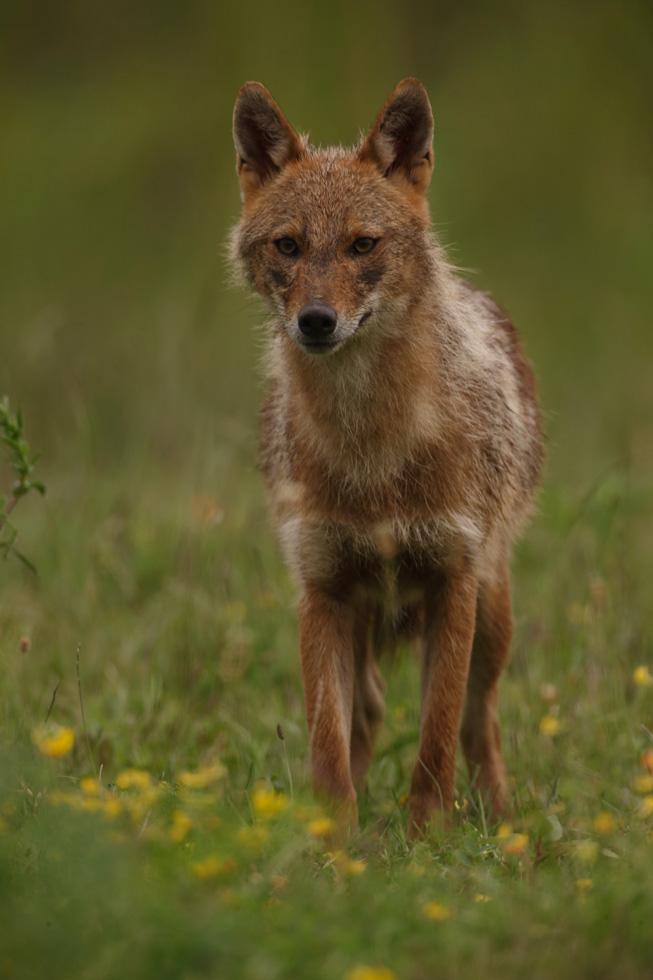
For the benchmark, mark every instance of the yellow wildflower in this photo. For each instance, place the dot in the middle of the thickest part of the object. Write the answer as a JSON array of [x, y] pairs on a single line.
[[504, 831], [604, 823], [515, 845], [54, 741], [355, 867], [584, 884], [90, 785], [253, 837], [202, 778], [586, 851], [646, 807], [213, 867], [348, 866], [642, 676], [268, 803], [133, 779], [436, 911], [481, 898], [112, 807], [643, 784], [371, 973], [321, 827], [180, 827], [550, 726]]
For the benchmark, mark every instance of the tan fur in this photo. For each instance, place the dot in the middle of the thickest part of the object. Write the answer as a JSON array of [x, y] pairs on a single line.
[[401, 463]]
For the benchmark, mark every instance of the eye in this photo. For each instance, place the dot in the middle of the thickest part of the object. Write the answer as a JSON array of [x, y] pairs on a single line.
[[287, 246], [364, 245]]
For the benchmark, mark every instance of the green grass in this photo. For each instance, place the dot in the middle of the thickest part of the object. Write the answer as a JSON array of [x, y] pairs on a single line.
[[160, 590], [186, 641]]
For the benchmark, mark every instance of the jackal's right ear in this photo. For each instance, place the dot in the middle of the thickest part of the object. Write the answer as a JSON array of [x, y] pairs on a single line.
[[400, 142], [264, 139]]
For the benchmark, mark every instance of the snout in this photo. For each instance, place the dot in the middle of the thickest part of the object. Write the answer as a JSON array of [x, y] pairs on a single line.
[[317, 324]]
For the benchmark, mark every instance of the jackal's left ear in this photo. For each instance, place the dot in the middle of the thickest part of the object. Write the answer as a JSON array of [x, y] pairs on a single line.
[[264, 139], [400, 142]]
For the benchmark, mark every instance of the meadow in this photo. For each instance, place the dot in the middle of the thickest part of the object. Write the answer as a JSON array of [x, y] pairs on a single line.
[[155, 810]]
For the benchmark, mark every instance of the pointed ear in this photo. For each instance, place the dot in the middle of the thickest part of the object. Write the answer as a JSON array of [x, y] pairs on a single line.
[[400, 142], [264, 139]]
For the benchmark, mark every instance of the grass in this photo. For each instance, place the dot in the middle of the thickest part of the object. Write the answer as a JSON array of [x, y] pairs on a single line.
[[180, 617], [159, 633]]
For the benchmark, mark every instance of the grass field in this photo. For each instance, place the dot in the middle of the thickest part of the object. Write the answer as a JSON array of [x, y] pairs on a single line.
[[161, 824]]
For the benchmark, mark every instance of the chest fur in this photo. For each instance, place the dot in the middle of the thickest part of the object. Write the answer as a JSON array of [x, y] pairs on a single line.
[[390, 556]]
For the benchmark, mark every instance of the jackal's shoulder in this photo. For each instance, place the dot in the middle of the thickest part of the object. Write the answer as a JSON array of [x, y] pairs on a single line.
[[505, 337]]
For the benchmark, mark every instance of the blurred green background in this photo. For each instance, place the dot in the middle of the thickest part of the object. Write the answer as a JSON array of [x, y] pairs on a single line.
[[119, 335], [160, 589]]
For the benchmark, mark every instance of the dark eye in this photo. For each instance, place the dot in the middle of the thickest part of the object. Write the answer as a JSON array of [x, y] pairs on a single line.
[[363, 245], [287, 246]]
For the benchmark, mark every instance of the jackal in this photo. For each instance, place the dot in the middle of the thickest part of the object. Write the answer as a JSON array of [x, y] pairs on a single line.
[[400, 441]]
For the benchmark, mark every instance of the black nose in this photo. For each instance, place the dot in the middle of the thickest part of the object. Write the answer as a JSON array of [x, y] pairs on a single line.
[[317, 321]]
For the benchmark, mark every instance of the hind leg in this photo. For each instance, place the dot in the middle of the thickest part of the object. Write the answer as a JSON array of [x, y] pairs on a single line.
[[481, 738], [369, 690]]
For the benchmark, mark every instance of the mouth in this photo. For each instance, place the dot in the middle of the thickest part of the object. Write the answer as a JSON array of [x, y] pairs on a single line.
[[364, 317], [318, 346]]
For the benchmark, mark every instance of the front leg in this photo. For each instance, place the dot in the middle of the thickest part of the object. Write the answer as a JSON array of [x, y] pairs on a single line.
[[326, 636], [447, 643]]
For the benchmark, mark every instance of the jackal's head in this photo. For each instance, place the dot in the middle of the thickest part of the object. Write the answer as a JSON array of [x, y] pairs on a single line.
[[335, 240]]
